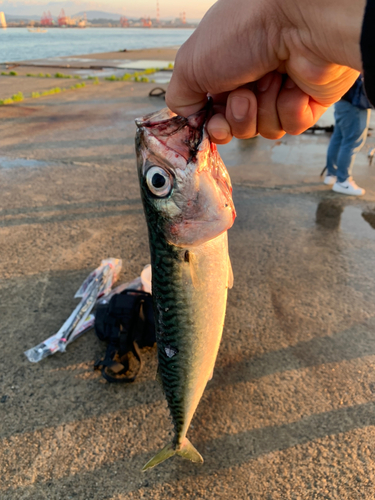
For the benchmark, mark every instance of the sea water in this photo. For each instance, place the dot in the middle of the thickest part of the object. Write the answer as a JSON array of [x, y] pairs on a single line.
[[18, 44]]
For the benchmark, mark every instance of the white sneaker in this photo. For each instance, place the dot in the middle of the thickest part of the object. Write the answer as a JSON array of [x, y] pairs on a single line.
[[348, 187], [330, 180]]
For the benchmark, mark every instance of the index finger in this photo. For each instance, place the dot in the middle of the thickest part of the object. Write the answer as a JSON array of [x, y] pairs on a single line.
[[184, 96]]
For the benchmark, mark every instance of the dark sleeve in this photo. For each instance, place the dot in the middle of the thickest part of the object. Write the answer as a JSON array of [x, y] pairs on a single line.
[[368, 50]]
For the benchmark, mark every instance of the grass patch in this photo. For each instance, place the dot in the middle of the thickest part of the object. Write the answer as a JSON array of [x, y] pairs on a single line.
[[55, 90], [137, 76], [35, 95], [78, 85], [61, 75], [13, 73], [6, 101], [17, 97], [39, 75], [11, 100], [95, 79]]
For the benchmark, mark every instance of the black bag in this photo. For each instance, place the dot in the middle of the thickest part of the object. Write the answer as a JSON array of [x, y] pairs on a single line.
[[126, 322]]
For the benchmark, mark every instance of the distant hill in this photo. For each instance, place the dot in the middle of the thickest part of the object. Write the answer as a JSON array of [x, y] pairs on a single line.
[[25, 8], [98, 14]]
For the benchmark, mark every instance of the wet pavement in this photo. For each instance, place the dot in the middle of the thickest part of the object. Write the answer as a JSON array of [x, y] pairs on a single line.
[[100, 65], [290, 411], [132, 59]]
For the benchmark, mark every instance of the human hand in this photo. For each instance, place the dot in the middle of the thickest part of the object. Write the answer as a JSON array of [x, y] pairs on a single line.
[[271, 66]]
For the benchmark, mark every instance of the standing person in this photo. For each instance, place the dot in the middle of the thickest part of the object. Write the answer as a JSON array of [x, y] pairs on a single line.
[[352, 115]]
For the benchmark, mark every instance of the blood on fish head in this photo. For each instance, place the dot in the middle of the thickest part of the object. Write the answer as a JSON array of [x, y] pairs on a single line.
[[184, 182]]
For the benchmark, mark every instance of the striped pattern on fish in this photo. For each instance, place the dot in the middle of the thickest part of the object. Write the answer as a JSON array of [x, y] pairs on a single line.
[[191, 270]]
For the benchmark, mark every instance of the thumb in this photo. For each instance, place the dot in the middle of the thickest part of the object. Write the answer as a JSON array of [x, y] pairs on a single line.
[[184, 96]]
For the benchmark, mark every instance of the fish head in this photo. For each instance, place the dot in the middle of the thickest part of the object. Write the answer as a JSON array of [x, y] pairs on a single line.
[[185, 187]]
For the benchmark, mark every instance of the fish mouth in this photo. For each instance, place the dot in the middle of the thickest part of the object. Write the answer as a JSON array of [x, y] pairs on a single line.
[[182, 135]]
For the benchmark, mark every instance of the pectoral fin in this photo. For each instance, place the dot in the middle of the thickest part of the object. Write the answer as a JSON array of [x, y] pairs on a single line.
[[230, 274], [193, 263]]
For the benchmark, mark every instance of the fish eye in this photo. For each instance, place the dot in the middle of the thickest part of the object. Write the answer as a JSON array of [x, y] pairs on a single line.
[[158, 181]]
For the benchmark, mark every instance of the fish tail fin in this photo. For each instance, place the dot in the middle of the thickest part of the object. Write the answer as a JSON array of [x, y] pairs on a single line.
[[189, 452], [185, 450]]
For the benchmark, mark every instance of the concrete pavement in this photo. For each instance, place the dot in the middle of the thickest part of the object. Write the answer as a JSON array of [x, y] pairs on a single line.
[[289, 413]]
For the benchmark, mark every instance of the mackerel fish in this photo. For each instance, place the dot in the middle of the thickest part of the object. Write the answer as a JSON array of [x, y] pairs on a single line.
[[187, 199]]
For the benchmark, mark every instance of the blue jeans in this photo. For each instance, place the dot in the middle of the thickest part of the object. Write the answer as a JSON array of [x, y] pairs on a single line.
[[347, 139]]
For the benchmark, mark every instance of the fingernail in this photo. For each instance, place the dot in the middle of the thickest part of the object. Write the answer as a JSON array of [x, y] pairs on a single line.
[[264, 83], [219, 133], [289, 84], [239, 107]]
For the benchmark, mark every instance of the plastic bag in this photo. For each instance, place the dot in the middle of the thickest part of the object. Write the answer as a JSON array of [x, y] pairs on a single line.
[[97, 284], [142, 282], [116, 263]]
